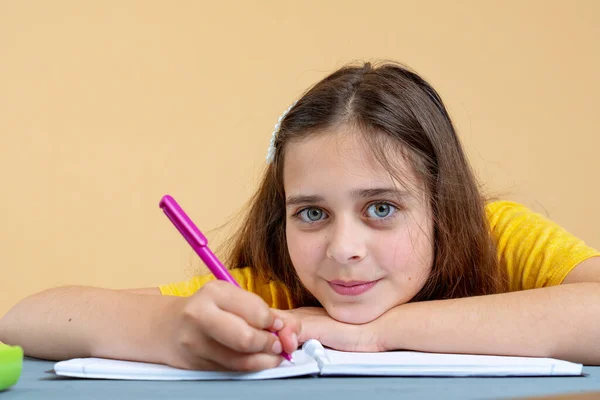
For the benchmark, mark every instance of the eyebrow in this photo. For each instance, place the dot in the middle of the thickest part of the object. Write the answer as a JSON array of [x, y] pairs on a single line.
[[358, 193]]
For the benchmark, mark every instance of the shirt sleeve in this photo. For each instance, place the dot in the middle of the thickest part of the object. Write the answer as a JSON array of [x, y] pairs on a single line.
[[273, 293], [185, 288], [535, 251]]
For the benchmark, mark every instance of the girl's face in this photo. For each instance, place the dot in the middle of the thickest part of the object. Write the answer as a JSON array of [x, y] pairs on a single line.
[[360, 242]]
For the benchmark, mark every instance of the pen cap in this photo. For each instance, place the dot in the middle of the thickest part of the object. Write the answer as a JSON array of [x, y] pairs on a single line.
[[182, 222]]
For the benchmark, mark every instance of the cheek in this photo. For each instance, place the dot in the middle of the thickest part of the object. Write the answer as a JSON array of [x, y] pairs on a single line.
[[305, 250], [407, 254]]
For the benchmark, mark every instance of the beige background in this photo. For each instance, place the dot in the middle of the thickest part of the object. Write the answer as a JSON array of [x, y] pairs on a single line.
[[105, 106]]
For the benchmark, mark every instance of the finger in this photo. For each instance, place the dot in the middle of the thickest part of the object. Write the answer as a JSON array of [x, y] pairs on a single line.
[[234, 333], [229, 359], [289, 340], [248, 306], [290, 332]]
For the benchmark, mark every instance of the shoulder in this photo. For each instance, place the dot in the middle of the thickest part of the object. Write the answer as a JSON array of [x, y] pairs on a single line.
[[535, 250], [501, 213], [498, 207]]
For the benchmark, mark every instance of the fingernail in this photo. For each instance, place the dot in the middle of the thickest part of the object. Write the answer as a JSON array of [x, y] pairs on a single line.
[[278, 324], [277, 349]]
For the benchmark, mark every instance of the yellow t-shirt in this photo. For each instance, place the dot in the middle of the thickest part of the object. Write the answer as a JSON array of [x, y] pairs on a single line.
[[535, 251]]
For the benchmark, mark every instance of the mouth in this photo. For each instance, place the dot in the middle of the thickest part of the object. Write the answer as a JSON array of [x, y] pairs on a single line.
[[351, 288]]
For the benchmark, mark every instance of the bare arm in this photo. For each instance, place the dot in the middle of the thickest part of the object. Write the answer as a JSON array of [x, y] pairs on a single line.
[[150, 290], [72, 322], [560, 321], [220, 327]]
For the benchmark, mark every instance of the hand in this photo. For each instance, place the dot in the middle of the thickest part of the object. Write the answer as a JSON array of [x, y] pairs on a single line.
[[317, 324], [223, 327]]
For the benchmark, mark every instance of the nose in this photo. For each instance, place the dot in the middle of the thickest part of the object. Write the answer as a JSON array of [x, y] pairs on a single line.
[[346, 244]]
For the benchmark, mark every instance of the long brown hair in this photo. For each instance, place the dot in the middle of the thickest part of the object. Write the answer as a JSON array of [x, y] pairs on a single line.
[[387, 102]]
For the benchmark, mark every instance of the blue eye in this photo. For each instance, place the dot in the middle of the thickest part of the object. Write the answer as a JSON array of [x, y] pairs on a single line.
[[380, 210], [311, 214]]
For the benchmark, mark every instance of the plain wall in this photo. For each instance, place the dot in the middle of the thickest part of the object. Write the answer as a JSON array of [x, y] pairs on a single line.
[[107, 106]]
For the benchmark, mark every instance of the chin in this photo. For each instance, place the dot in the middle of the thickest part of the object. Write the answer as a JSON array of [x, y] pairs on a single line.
[[356, 314]]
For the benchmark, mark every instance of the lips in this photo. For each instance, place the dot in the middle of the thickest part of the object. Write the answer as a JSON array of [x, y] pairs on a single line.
[[351, 288]]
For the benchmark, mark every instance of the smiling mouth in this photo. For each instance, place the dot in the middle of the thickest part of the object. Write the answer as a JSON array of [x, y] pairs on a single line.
[[351, 288]]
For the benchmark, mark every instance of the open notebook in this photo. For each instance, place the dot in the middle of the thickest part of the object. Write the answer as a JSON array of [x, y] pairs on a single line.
[[314, 359]]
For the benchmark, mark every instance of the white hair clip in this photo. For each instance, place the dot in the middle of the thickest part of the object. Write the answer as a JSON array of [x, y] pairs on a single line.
[[271, 151]]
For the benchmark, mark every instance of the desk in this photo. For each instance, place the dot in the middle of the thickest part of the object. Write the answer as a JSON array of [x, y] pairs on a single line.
[[35, 383]]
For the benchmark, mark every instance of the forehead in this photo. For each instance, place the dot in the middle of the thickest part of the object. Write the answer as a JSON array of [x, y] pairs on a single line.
[[341, 158]]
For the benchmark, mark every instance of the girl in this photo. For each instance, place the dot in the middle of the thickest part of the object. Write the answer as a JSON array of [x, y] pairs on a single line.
[[368, 232]]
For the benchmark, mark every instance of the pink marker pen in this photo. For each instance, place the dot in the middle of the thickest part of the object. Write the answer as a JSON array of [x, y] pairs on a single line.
[[199, 243]]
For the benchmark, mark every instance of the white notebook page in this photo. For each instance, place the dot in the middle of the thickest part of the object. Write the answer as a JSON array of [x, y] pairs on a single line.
[[100, 368], [407, 363]]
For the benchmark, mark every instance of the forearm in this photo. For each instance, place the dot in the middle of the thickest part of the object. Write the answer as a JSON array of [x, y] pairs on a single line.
[[87, 322], [561, 322]]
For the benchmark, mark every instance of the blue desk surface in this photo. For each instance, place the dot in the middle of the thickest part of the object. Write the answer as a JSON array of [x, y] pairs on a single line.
[[36, 383]]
